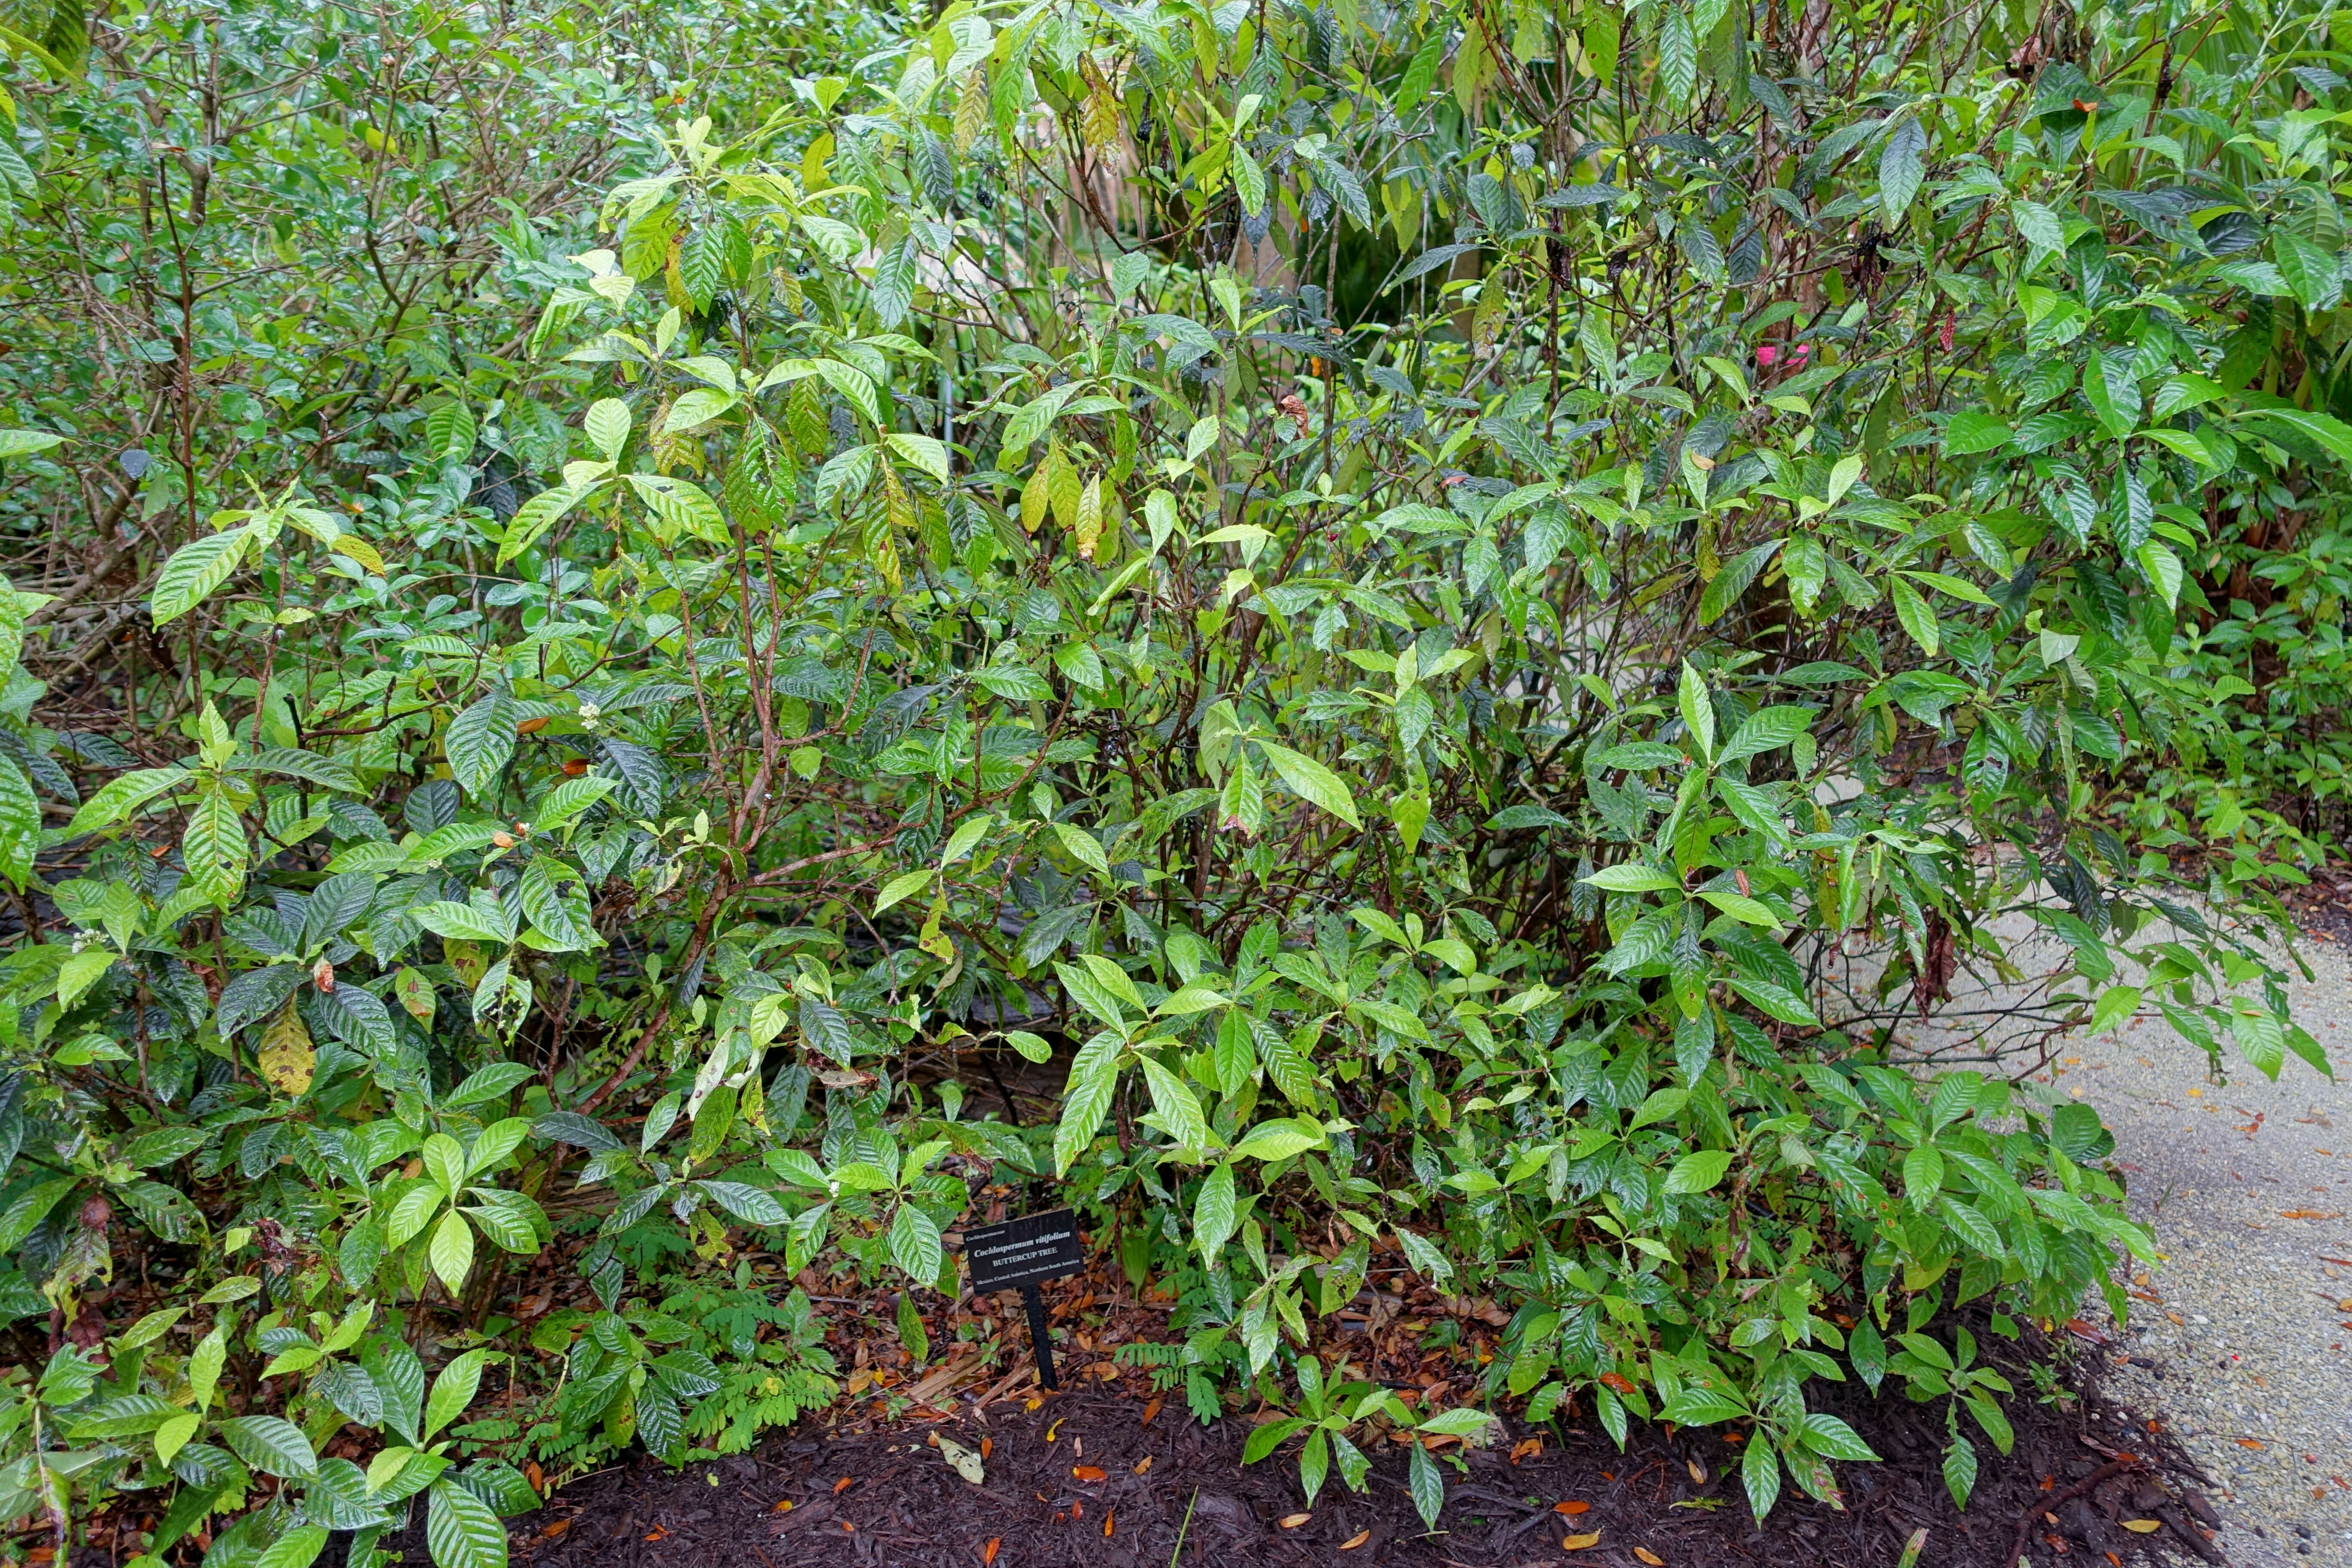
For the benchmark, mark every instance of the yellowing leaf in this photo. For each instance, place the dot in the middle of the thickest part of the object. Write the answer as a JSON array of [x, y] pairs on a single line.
[[1579, 1542], [286, 1058]]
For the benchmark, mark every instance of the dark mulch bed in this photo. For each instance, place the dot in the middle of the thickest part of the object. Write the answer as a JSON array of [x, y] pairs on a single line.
[[1166, 1490], [2324, 907]]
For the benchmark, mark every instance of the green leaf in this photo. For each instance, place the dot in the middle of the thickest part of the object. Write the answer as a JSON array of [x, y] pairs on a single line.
[[480, 742], [1312, 782], [1697, 710], [540, 513], [2312, 270], [915, 1245], [1960, 1470], [1632, 877], [1759, 1473], [1766, 729], [1428, 1488], [904, 886], [2164, 571], [453, 1390], [25, 443], [1263, 1440], [1901, 165], [607, 423], [464, 922], [124, 794], [682, 508], [1280, 1139], [451, 1251], [1725, 588], [298, 1548], [1085, 1098], [924, 451], [1917, 619], [20, 825], [270, 1445], [1697, 1405], [1178, 1107], [568, 800], [1923, 1176], [1970, 432], [195, 569], [461, 1529], [215, 849], [1084, 846], [1213, 1214], [1696, 1173], [1833, 1439]]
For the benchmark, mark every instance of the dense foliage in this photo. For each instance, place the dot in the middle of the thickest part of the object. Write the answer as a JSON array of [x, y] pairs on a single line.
[[1454, 612]]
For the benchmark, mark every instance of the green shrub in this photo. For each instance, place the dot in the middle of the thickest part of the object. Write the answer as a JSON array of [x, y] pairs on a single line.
[[905, 594]]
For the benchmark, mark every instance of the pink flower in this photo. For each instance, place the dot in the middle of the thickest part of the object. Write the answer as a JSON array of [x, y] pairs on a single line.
[[1766, 356]]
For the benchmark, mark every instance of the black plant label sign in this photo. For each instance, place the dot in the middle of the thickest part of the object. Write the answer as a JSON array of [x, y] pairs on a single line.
[[1025, 1251], [1022, 1254]]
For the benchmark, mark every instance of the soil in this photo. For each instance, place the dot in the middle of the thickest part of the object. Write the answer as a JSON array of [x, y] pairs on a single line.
[[1096, 1478], [2323, 908]]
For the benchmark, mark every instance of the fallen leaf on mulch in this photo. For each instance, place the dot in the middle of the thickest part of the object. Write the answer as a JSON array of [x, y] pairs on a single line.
[[1652, 1558], [2311, 1214], [1525, 1448], [1570, 1507], [843, 1484], [2143, 1526], [1149, 1411], [1579, 1542], [1293, 1521], [553, 1528], [1087, 1472], [1143, 1464], [1355, 1540], [988, 1553]]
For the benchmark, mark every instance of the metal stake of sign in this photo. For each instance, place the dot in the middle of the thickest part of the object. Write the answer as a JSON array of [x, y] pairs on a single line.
[[1022, 1254], [1041, 1343]]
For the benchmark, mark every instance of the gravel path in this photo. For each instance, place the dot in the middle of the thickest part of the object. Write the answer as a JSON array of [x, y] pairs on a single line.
[[2238, 1338]]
